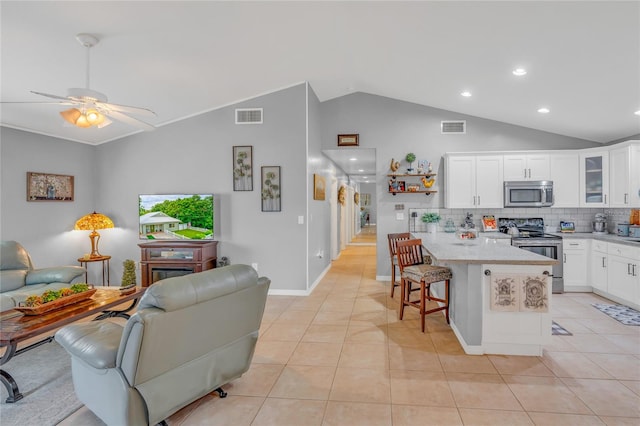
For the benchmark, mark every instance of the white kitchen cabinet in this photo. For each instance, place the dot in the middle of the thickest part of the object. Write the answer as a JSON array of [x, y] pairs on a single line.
[[624, 273], [624, 179], [565, 174], [594, 179], [473, 181], [574, 260], [526, 167], [599, 263]]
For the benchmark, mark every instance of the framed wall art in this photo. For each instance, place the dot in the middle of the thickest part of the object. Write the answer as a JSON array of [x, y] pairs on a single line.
[[348, 140], [319, 187], [49, 187], [271, 195], [243, 168]]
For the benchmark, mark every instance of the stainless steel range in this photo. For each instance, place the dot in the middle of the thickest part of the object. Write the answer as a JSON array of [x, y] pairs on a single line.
[[528, 234]]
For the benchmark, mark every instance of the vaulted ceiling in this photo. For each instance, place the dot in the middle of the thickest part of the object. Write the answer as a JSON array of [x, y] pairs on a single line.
[[184, 58]]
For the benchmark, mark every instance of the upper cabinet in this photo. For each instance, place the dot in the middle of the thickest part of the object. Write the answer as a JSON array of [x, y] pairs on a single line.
[[624, 182], [473, 181], [594, 179], [565, 174], [526, 167]]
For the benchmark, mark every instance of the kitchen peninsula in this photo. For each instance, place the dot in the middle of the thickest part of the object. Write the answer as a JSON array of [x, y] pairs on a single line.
[[500, 301]]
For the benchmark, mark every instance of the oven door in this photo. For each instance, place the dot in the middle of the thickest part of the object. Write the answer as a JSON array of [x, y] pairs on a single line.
[[552, 249]]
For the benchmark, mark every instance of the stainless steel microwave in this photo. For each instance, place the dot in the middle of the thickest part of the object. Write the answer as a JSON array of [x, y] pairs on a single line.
[[528, 193]]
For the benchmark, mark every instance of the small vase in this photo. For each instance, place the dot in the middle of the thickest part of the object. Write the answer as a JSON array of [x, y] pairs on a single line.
[[432, 227]]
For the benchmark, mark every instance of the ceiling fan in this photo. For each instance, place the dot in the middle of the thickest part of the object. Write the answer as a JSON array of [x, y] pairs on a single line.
[[89, 107]]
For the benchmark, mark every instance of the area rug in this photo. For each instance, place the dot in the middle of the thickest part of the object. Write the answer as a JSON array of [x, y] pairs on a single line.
[[621, 313], [43, 375], [558, 330]]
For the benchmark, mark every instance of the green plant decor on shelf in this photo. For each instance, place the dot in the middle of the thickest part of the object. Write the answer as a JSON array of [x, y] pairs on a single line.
[[129, 273], [411, 157], [431, 218]]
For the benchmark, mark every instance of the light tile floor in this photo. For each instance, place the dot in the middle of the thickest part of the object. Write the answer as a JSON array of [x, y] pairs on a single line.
[[341, 357]]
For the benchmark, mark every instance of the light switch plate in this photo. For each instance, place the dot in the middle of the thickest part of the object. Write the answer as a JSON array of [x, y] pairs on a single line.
[[400, 216]]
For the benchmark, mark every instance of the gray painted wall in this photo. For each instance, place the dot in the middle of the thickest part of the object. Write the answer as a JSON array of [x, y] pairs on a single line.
[[45, 228], [395, 128]]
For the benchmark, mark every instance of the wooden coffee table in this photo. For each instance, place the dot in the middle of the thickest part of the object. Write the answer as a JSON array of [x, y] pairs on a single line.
[[15, 327]]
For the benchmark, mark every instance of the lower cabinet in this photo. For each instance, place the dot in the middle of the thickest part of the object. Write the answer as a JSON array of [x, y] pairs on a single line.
[[624, 273], [575, 274], [599, 266]]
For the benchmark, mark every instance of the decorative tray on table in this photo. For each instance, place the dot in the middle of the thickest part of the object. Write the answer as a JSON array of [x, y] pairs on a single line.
[[55, 304]]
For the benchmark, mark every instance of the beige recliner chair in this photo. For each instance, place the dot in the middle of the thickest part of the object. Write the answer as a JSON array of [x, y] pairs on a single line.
[[190, 335]]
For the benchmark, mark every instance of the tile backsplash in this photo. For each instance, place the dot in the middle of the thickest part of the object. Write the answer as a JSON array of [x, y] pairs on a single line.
[[582, 217]]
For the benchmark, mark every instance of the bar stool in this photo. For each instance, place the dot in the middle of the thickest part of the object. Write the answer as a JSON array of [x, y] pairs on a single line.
[[393, 243], [413, 269]]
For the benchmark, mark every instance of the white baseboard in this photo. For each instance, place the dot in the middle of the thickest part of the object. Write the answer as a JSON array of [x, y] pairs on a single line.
[[276, 292]]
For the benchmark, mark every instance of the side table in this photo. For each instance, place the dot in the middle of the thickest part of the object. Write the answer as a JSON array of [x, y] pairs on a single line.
[[105, 266]]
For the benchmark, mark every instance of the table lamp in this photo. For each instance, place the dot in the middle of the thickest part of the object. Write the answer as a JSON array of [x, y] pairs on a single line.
[[92, 222]]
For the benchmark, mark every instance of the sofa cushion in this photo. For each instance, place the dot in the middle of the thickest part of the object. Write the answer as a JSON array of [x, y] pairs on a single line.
[[12, 279], [64, 274], [14, 256]]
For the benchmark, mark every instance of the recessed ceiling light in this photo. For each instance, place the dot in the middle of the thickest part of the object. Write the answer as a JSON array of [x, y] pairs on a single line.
[[353, 159], [637, 112], [519, 72], [466, 94], [543, 110], [361, 170]]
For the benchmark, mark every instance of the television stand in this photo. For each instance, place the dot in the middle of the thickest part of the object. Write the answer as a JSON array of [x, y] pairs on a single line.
[[166, 259]]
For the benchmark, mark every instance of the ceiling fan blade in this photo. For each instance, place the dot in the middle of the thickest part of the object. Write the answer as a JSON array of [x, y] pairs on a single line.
[[129, 120], [125, 108], [52, 96]]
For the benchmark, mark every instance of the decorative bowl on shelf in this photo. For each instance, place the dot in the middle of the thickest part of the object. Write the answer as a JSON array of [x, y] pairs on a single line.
[[467, 236]]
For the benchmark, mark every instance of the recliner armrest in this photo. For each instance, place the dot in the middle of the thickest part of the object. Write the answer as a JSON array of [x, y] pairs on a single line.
[[59, 274], [95, 343]]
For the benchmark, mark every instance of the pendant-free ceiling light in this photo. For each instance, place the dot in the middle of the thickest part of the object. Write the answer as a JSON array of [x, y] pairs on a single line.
[[91, 222]]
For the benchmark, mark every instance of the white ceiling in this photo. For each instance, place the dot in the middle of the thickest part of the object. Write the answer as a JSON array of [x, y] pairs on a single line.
[[184, 58]]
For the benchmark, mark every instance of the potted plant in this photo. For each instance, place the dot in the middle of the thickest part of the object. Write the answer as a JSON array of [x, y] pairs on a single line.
[[411, 157], [128, 283], [431, 219]]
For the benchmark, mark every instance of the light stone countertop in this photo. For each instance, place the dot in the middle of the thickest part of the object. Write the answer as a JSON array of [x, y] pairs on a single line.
[[444, 247], [610, 238]]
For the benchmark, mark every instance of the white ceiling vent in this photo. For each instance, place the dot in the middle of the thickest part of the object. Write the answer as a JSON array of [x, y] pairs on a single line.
[[455, 127], [248, 115]]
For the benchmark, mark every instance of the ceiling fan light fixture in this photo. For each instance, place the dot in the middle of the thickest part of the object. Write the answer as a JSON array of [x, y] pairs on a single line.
[[91, 117]]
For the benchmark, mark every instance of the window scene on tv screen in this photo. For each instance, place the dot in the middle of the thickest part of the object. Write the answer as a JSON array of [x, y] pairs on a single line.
[[176, 216]]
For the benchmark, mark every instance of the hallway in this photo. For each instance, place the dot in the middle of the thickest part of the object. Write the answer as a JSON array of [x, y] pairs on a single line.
[[341, 357]]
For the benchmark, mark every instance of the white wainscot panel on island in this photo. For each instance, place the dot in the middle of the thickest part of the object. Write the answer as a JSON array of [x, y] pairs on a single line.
[[500, 299]]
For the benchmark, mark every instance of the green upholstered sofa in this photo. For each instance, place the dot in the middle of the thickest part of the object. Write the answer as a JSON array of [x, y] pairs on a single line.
[[190, 335], [18, 278]]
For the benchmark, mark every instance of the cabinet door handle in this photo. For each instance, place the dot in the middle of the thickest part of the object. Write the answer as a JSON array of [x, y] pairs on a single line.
[[634, 270], [629, 269], [529, 173], [474, 200], [564, 257], [525, 173], [603, 265], [478, 200], [605, 198], [626, 198]]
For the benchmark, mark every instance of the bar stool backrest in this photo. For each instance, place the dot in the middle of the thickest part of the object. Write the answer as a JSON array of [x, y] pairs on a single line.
[[409, 253]]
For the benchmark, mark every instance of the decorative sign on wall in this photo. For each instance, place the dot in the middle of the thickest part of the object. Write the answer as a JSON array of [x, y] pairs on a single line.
[[49, 187], [342, 195], [519, 293], [348, 140]]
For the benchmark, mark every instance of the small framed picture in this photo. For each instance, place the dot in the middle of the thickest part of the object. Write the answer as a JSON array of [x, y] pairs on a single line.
[[319, 187], [348, 140], [243, 168], [49, 187], [489, 223], [271, 185]]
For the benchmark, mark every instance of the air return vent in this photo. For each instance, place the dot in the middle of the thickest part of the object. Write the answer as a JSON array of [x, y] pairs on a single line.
[[248, 115], [455, 127]]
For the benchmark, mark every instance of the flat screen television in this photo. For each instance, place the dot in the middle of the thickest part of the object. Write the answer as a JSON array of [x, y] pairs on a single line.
[[176, 216]]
